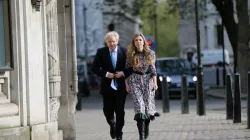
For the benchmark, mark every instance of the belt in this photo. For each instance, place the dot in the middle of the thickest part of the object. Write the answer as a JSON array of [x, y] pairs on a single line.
[[141, 73]]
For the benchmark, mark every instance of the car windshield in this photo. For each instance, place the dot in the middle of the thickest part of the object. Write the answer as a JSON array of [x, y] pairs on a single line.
[[173, 66]]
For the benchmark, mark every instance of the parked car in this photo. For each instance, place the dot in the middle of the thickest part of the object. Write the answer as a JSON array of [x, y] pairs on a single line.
[[173, 68], [213, 57]]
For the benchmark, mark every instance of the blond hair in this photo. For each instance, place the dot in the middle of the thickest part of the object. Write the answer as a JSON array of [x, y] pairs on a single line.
[[131, 54], [111, 34]]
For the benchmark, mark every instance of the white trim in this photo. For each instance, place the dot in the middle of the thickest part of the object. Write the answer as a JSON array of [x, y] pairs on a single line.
[[45, 58]]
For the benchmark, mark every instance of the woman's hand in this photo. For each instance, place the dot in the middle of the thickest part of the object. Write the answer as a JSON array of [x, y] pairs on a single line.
[[155, 83], [155, 86], [128, 89]]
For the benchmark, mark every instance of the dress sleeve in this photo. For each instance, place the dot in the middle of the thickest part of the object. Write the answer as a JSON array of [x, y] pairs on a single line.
[[127, 63], [128, 68], [152, 66]]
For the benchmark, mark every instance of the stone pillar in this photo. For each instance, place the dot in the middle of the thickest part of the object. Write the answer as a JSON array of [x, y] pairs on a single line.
[[66, 120], [53, 58]]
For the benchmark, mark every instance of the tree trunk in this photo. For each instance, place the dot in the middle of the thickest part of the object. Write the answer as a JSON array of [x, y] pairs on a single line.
[[226, 12], [243, 42]]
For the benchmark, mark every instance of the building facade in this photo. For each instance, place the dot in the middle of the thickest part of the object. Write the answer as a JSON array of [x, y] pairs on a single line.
[[89, 26], [210, 31], [95, 18], [38, 81], [118, 16]]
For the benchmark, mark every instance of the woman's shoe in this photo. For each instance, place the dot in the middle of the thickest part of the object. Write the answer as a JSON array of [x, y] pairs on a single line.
[[152, 117], [141, 129], [157, 114]]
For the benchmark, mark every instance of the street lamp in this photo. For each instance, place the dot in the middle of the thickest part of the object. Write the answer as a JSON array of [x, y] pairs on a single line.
[[85, 31], [222, 42], [155, 24], [200, 87]]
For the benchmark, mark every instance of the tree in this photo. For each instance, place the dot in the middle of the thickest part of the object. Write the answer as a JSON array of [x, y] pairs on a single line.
[[243, 41], [238, 33], [167, 25]]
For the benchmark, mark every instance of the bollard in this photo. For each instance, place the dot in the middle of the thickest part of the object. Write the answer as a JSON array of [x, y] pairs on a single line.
[[229, 98], [165, 95], [200, 104], [217, 77], [248, 101], [184, 95], [237, 102]]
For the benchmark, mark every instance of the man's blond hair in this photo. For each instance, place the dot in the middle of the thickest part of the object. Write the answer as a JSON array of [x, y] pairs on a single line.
[[111, 34]]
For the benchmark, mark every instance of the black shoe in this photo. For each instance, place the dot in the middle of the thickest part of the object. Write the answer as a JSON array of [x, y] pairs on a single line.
[[112, 132], [152, 117], [78, 109], [119, 138], [157, 114]]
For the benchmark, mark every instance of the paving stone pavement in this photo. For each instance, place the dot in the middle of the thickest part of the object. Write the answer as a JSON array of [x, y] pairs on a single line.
[[91, 125]]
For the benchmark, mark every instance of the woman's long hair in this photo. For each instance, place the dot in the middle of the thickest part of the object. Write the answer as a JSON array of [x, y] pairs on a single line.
[[131, 54]]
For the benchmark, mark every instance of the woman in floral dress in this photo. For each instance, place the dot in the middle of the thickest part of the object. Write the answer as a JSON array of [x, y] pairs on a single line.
[[142, 82]]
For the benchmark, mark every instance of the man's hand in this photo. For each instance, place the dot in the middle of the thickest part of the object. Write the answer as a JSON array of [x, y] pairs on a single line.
[[110, 75], [119, 74]]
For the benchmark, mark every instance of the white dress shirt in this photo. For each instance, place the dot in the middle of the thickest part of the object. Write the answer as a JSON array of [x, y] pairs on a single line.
[[115, 59]]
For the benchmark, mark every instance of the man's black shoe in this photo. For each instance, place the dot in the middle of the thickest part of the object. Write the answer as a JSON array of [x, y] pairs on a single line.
[[119, 138], [112, 132]]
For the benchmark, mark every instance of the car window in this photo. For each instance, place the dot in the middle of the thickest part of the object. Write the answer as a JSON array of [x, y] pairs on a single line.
[[173, 66]]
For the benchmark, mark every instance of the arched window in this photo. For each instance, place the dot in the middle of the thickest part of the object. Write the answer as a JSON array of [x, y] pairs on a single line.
[[6, 59]]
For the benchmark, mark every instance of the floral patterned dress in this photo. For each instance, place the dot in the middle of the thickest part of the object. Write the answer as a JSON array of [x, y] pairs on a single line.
[[141, 85]]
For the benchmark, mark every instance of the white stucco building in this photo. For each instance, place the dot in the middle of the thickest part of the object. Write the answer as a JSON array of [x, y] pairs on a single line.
[[38, 81], [93, 20], [89, 26], [209, 35], [124, 22]]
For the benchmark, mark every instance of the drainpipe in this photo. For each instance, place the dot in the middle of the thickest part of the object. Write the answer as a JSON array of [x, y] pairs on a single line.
[[74, 86]]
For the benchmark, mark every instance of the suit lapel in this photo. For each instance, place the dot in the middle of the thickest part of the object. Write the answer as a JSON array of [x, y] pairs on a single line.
[[119, 56], [109, 58]]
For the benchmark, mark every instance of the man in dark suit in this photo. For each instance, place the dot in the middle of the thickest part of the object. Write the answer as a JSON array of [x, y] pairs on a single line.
[[109, 64]]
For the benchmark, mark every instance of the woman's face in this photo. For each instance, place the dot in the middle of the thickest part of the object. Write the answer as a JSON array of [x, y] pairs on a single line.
[[139, 43]]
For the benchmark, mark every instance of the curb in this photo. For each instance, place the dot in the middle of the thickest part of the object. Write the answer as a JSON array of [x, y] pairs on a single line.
[[223, 97], [216, 96]]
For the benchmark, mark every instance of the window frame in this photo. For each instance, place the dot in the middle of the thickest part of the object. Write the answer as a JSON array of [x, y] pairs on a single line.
[[9, 64]]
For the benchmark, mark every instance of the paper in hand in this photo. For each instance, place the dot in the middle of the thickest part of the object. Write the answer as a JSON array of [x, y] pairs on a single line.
[[113, 85]]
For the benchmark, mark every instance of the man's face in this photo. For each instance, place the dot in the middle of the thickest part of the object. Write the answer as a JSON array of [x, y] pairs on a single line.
[[112, 43]]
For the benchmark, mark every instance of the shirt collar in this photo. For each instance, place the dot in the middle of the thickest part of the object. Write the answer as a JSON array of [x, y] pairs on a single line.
[[115, 50]]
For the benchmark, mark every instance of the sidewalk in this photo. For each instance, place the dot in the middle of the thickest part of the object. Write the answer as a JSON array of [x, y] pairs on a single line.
[[220, 93], [91, 124]]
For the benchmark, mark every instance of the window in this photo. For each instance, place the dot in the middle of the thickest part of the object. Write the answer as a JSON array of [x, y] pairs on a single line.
[[5, 37], [173, 66], [219, 34]]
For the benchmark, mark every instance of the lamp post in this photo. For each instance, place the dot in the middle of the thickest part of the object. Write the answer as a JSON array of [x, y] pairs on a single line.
[[222, 42], [85, 32], [155, 24], [200, 89]]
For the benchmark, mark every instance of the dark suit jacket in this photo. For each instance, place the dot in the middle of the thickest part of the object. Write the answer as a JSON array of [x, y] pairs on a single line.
[[102, 64]]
